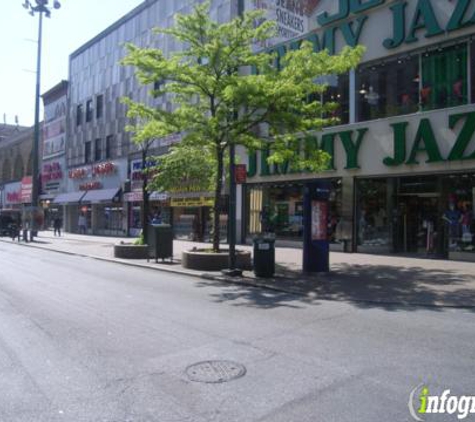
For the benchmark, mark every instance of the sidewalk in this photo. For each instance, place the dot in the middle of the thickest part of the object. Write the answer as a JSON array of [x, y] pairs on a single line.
[[369, 280]]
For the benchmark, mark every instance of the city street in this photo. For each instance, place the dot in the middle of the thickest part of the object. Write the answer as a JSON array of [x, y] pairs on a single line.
[[83, 340]]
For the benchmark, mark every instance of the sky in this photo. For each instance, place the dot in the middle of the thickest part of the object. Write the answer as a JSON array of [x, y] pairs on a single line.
[[75, 23]]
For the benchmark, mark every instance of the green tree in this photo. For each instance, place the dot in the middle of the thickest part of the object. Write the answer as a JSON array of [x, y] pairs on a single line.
[[225, 92]]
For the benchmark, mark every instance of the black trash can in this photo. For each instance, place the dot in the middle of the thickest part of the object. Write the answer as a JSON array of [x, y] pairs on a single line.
[[160, 241], [264, 256]]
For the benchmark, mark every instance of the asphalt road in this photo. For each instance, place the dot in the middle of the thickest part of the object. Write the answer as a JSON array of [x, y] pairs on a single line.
[[84, 340]]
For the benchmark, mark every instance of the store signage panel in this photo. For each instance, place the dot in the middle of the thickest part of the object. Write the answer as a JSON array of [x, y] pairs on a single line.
[[136, 172], [240, 173], [54, 141], [99, 170], [52, 176], [12, 193], [26, 189], [137, 196], [432, 141], [192, 202], [333, 25], [101, 175]]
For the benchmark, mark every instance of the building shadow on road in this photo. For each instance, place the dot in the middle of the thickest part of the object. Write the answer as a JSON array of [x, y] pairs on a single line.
[[243, 294]]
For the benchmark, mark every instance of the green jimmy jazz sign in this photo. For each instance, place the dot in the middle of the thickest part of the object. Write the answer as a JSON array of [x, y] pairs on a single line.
[[424, 145], [350, 21]]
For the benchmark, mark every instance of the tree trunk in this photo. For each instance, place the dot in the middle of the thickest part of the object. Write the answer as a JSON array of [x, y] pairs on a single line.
[[145, 195], [217, 200]]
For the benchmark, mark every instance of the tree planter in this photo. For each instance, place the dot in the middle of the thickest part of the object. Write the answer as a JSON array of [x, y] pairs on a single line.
[[203, 260], [131, 251]]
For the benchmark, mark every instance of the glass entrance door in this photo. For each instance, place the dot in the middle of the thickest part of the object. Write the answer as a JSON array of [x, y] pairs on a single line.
[[417, 224]]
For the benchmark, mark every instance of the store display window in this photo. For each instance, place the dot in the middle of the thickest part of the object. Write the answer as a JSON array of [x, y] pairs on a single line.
[[278, 208], [388, 88], [109, 220], [373, 215], [458, 216], [418, 81], [444, 78]]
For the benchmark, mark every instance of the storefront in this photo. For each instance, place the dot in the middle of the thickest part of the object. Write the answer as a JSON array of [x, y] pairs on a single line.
[[191, 213], [95, 195], [53, 168], [159, 203], [402, 158], [278, 208], [53, 183], [400, 185]]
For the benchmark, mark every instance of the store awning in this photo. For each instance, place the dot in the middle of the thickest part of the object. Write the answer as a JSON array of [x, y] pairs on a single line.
[[69, 198], [100, 195]]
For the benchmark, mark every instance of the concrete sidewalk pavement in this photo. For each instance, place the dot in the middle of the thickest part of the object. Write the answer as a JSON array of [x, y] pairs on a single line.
[[365, 279]]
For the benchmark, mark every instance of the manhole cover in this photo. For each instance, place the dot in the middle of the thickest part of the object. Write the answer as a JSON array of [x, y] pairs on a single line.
[[215, 371]]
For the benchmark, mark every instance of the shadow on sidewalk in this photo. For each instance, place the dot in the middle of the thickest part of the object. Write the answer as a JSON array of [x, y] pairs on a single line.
[[367, 286], [406, 285]]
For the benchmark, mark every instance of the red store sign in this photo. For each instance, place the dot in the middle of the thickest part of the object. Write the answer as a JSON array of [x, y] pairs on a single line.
[[51, 172], [13, 198], [26, 189], [102, 169], [90, 186], [78, 173]]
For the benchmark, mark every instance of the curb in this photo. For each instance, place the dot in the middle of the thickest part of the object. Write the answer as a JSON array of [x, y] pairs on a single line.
[[249, 282]]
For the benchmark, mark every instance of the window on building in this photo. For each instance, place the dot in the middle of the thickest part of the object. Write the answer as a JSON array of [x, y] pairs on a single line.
[[338, 94], [98, 150], [89, 111], [99, 106], [87, 152], [387, 88], [444, 78], [79, 115], [109, 146]]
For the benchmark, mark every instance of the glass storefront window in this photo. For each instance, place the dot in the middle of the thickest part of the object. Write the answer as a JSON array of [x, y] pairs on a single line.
[[388, 88], [444, 78], [458, 217], [430, 216], [414, 82], [372, 215], [109, 220], [278, 208], [338, 93]]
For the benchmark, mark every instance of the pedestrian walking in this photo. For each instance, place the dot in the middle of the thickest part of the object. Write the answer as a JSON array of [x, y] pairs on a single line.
[[15, 230], [57, 223], [82, 223]]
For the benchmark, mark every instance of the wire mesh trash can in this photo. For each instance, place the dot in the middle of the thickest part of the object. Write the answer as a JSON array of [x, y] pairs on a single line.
[[160, 241], [264, 256]]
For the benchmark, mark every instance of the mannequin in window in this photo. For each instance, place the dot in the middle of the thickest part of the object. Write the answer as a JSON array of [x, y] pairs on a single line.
[[466, 219], [453, 217], [442, 97], [426, 92], [457, 90], [406, 102], [362, 227]]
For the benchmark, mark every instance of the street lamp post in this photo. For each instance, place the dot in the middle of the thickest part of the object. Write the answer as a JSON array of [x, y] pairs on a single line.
[[41, 8]]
